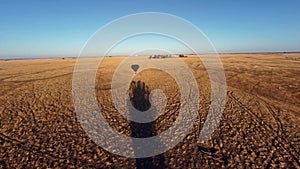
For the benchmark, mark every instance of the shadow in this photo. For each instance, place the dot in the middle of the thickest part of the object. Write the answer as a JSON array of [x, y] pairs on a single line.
[[139, 98]]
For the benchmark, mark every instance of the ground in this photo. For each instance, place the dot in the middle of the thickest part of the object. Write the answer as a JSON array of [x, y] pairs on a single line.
[[260, 127]]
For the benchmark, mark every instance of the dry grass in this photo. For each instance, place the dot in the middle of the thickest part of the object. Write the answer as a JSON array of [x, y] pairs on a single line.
[[259, 128]]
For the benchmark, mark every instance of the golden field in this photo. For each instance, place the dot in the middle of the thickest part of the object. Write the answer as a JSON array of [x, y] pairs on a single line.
[[260, 127]]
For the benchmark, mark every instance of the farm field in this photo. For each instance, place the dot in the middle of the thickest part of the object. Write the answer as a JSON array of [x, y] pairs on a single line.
[[260, 126]]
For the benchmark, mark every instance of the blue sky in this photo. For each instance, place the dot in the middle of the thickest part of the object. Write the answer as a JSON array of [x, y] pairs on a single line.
[[61, 27]]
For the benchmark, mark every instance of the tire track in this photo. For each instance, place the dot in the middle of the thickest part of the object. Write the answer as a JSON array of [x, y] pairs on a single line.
[[290, 150], [278, 122]]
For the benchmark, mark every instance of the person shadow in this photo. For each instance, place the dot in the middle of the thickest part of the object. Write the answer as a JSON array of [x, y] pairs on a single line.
[[139, 98]]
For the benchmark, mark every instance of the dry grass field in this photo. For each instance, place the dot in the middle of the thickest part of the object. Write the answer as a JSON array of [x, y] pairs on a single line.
[[260, 127]]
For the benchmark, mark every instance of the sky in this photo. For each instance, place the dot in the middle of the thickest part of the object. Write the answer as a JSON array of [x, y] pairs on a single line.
[[60, 28]]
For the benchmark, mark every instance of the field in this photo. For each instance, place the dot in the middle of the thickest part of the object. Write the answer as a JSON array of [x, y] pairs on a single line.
[[260, 127]]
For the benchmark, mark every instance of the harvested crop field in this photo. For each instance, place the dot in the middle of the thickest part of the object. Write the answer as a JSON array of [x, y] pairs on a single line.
[[260, 127]]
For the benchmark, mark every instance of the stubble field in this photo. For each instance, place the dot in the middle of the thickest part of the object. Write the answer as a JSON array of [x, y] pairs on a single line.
[[260, 127]]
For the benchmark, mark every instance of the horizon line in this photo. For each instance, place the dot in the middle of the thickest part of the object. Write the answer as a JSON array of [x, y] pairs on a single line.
[[62, 57]]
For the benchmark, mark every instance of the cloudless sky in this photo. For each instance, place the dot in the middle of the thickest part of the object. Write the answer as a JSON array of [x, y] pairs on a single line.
[[61, 27]]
